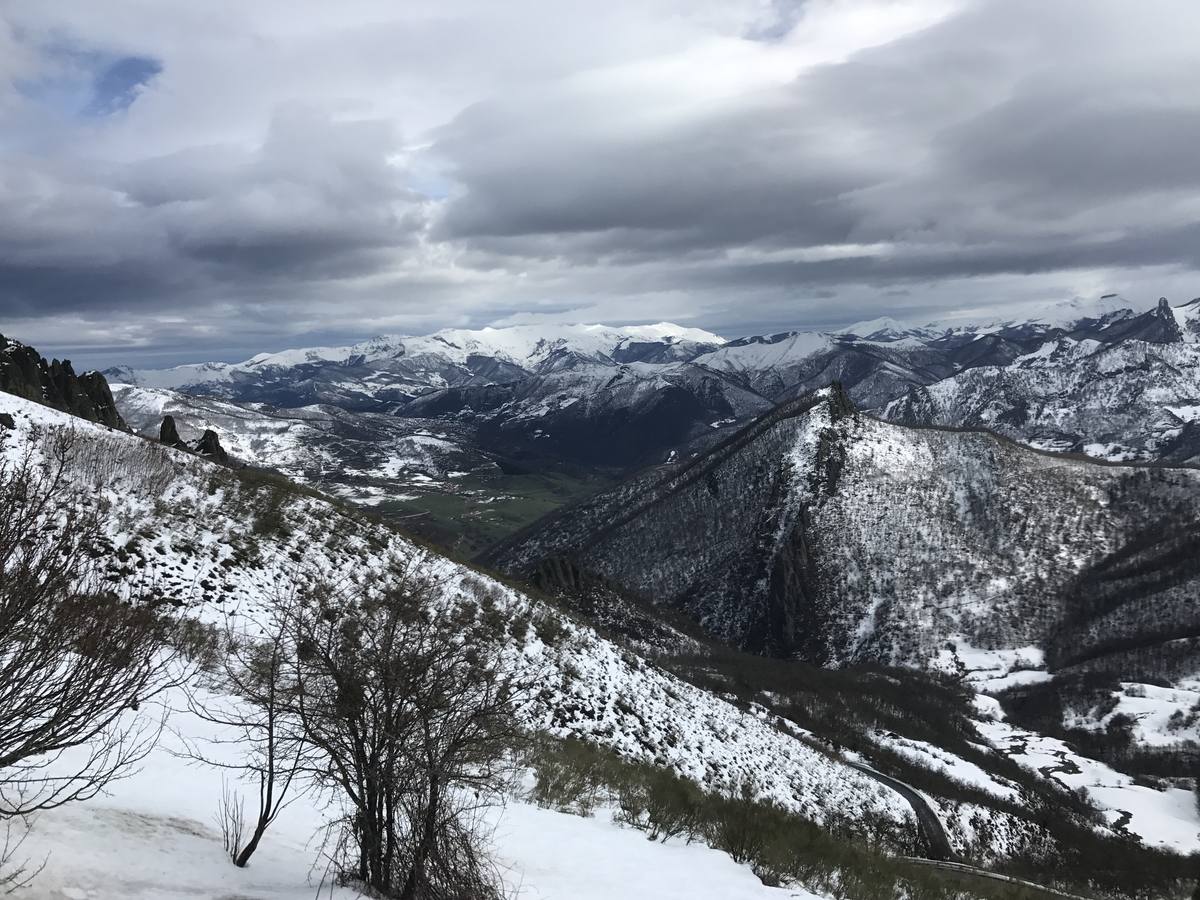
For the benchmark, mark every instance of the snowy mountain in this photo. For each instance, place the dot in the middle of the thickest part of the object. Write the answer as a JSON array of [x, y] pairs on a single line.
[[621, 397], [477, 433], [223, 542], [447, 357], [823, 533], [1130, 399]]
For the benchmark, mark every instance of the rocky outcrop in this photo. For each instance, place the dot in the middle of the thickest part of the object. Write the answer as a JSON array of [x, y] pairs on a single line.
[[25, 373], [209, 446], [168, 434]]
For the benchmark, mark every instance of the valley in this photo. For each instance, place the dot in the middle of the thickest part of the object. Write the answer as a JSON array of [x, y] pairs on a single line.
[[639, 450], [925, 641]]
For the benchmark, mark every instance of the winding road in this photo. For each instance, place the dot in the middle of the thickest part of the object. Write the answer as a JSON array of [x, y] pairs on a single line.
[[932, 830], [939, 852]]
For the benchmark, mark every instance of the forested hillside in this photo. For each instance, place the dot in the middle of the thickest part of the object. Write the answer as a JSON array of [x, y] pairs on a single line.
[[822, 533]]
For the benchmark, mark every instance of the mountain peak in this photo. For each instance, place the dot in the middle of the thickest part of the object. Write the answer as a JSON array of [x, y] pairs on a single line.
[[880, 327]]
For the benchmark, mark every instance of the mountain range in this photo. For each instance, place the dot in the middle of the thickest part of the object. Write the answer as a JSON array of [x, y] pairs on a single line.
[[451, 428], [928, 640]]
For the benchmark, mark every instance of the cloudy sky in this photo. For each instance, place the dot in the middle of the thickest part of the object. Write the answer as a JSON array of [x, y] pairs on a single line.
[[183, 181]]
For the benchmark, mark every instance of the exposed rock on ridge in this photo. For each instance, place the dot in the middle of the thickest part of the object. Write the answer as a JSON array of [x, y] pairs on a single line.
[[25, 373]]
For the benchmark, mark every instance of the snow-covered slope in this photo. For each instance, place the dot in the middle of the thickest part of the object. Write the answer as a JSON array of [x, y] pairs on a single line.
[[367, 457], [224, 543], [823, 532], [155, 837], [1187, 317], [221, 545], [1163, 817], [1131, 400]]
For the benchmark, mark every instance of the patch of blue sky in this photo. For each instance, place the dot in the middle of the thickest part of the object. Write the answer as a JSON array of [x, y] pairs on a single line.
[[90, 84]]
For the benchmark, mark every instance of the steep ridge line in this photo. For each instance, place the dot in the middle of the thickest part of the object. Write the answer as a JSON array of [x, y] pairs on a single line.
[[1039, 451], [675, 478], [672, 480]]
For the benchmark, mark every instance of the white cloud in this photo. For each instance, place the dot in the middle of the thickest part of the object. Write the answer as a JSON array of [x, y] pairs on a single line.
[[314, 169]]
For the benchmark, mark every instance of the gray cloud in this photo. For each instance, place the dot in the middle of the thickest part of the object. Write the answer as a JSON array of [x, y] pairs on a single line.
[[286, 174], [968, 148]]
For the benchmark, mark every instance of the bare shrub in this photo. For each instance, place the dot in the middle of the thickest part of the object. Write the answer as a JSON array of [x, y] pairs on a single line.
[[391, 701], [570, 776], [412, 716], [75, 663], [105, 460], [253, 669], [15, 872]]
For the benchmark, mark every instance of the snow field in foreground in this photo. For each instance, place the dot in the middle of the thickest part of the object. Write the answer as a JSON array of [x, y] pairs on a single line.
[[156, 836]]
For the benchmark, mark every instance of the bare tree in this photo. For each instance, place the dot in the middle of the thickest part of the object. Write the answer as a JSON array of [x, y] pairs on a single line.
[[252, 717], [411, 716], [15, 873], [75, 663]]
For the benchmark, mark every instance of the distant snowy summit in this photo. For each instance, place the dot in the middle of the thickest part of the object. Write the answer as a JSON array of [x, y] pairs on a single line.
[[525, 346], [625, 396], [531, 347], [1066, 315]]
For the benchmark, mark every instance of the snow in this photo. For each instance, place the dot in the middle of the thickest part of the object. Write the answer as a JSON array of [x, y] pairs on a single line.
[[528, 344], [155, 835], [1067, 312], [162, 817], [562, 857], [1187, 317], [1165, 818], [205, 552], [523, 345], [1074, 394], [933, 757], [892, 333], [990, 671], [319, 443], [1152, 707], [762, 355], [595, 690], [1054, 314], [1184, 412]]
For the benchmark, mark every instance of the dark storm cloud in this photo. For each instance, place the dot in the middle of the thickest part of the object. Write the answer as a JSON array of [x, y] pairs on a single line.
[[985, 144], [749, 176], [291, 170], [317, 201]]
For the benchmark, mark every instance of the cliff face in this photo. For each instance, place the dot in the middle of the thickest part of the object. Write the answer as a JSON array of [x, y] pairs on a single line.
[[24, 372]]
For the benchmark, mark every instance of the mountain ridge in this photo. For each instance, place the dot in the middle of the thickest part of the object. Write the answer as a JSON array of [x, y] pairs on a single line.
[[578, 409], [807, 477]]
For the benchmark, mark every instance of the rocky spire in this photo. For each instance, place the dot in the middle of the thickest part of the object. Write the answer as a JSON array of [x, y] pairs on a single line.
[[24, 372], [209, 446], [168, 434]]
